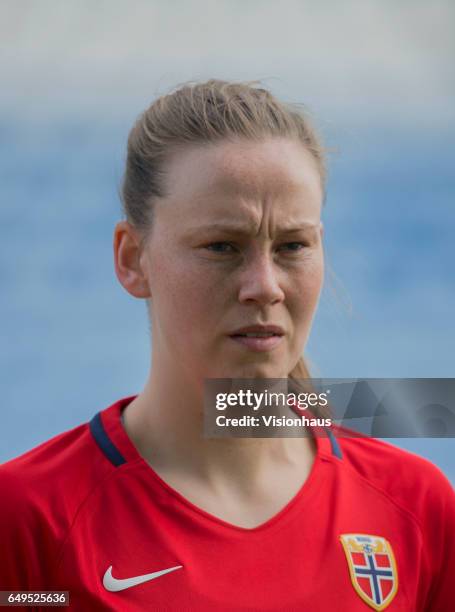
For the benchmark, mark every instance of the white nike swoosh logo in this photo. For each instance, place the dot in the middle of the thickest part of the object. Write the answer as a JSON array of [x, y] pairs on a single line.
[[114, 584]]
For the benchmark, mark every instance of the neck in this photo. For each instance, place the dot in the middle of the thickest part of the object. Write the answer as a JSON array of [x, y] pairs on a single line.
[[165, 423]]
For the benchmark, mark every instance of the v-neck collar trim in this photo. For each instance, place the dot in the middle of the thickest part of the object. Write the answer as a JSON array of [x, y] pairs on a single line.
[[111, 437]]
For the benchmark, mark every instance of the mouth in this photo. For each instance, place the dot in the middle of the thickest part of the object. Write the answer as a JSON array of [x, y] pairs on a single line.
[[259, 338]]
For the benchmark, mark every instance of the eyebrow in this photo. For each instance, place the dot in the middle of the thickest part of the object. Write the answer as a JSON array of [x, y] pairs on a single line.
[[245, 229]]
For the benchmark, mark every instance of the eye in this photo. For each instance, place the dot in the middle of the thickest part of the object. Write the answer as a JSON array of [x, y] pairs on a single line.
[[292, 247], [220, 247]]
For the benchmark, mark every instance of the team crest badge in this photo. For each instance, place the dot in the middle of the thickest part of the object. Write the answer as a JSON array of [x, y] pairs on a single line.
[[372, 568]]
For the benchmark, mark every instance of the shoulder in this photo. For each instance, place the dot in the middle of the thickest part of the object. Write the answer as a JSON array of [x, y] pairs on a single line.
[[408, 480], [53, 478], [41, 493]]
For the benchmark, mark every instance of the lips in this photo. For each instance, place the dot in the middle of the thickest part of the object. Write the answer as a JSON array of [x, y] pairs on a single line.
[[258, 338], [259, 331]]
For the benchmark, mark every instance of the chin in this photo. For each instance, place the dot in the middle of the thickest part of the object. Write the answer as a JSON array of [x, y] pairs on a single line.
[[256, 370]]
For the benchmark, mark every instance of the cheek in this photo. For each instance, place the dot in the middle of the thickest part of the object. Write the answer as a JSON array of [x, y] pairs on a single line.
[[182, 295], [309, 280], [307, 287]]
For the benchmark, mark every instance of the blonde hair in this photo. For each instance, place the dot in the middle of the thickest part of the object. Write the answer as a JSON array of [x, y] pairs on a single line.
[[210, 112]]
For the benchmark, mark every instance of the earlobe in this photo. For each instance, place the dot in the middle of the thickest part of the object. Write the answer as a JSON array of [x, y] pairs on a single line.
[[128, 262]]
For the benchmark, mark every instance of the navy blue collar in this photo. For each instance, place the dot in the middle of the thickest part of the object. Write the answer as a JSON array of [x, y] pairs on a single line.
[[116, 457]]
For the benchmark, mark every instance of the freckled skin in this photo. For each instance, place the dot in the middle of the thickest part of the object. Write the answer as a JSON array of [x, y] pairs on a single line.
[[201, 291]]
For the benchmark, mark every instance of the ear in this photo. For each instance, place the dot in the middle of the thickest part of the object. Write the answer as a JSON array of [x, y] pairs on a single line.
[[321, 229], [129, 265]]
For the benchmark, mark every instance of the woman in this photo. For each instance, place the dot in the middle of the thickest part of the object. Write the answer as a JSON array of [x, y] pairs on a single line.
[[137, 510]]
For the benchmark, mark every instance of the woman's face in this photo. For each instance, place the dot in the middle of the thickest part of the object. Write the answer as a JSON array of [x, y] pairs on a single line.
[[237, 242]]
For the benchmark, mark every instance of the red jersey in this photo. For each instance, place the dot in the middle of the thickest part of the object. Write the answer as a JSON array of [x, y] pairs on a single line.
[[373, 527]]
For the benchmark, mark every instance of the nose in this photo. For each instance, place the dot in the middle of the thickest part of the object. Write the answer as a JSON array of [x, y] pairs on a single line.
[[259, 281]]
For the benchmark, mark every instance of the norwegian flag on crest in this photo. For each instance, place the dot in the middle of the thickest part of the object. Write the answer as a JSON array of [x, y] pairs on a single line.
[[372, 568]]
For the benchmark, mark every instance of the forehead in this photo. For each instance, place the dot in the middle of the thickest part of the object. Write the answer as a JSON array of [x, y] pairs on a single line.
[[241, 176], [276, 164]]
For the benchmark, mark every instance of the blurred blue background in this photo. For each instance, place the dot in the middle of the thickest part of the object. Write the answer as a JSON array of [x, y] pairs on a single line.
[[378, 79]]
